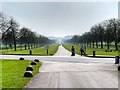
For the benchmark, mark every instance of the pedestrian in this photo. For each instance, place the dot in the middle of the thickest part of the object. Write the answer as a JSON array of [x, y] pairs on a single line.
[[73, 51], [82, 51]]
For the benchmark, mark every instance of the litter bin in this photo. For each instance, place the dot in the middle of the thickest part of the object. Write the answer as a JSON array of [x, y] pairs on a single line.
[[94, 53], [116, 59], [30, 52]]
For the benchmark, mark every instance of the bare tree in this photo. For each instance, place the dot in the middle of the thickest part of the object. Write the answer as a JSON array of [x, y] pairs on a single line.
[[14, 29], [114, 23]]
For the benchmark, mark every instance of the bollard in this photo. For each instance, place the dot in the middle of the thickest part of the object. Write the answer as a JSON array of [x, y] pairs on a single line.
[[21, 58], [47, 51], [117, 60], [94, 53], [33, 63], [30, 52], [36, 60], [29, 68], [28, 74], [118, 68], [51, 54]]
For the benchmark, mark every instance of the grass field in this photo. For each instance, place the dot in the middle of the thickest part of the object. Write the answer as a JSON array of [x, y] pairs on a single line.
[[35, 51], [13, 71], [89, 50]]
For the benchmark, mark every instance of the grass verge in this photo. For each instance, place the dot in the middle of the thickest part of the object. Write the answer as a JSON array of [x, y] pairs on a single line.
[[89, 50], [35, 51], [13, 71]]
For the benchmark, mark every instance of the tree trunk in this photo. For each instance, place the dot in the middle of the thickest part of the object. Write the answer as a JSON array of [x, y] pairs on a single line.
[[96, 45], [116, 47], [93, 44], [25, 47], [10, 45], [34, 45], [6, 46], [87, 44], [14, 44], [14, 40], [108, 46], [28, 46], [101, 44], [90, 44], [115, 31], [21, 46], [31, 46]]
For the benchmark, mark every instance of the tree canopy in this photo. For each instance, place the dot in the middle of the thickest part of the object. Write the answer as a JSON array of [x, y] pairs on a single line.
[[107, 31], [12, 34]]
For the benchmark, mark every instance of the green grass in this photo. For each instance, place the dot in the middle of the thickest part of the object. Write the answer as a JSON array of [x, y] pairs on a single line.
[[13, 71], [35, 51], [89, 50]]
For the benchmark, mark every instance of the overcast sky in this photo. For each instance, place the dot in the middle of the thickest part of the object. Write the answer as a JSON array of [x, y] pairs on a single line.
[[60, 18]]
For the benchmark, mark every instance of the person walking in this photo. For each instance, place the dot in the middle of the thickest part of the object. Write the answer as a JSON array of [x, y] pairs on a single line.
[[73, 51], [82, 51]]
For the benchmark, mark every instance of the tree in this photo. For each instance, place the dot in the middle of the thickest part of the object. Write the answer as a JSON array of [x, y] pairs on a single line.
[[75, 39], [118, 30], [108, 36], [7, 26], [100, 34], [26, 37], [9, 29], [8, 39], [4, 23], [14, 29], [23, 36], [92, 30], [114, 24]]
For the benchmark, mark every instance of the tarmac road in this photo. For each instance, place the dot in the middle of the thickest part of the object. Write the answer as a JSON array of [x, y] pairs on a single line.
[[62, 52], [62, 55], [75, 72]]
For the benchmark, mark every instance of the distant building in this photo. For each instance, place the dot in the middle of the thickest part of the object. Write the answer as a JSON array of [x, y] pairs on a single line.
[[119, 10]]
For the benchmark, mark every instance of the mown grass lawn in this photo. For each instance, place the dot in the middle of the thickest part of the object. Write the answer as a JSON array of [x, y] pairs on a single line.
[[89, 50], [13, 72], [35, 51]]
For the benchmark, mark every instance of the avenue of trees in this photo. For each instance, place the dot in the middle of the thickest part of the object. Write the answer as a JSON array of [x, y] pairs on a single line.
[[106, 32], [12, 35]]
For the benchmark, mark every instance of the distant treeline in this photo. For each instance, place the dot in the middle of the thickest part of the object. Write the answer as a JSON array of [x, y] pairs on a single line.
[[107, 31], [13, 35]]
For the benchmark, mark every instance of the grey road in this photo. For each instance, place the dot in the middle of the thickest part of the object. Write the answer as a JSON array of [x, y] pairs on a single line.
[[75, 75], [75, 72], [62, 55], [75, 59], [65, 71], [62, 52]]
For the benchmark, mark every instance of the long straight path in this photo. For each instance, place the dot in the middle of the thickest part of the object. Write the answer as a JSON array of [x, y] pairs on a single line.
[[62, 52], [75, 72]]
